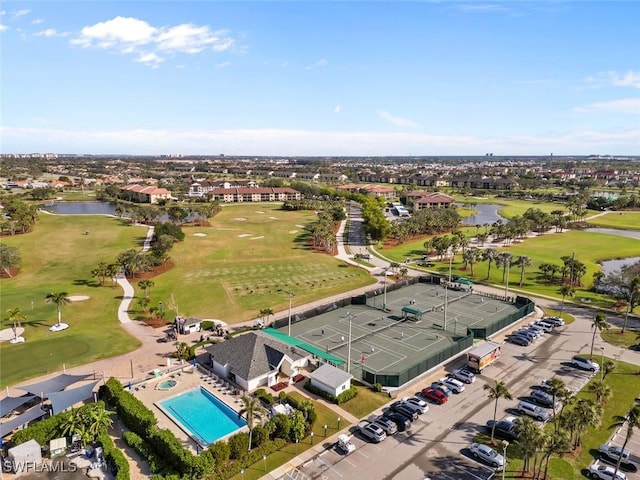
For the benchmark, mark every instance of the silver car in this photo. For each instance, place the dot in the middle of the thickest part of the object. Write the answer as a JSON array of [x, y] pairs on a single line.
[[463, 375], [389, 426], [487, 454], [373, 432]]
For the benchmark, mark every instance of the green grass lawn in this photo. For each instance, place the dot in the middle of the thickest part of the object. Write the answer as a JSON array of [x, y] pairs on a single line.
[[242, 265], [365, 402], [615, 337], [57, 257], [589, 248], [622, 220], [248, 258]]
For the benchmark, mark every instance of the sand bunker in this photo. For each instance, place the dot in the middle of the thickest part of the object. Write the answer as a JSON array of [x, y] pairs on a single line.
[[273, 218], [77, 298], [199, 234], [260, 213], [257, 238], [8, 333], [240, 219], [245, 235], [293, 231], [300, 226]]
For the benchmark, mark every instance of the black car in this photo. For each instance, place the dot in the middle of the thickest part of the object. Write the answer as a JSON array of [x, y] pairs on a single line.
[[410, 406], [405, 410], [519, 340], [503, 429], [400, 420]]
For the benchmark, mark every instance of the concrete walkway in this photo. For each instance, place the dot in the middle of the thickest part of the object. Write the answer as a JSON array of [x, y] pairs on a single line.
[[128, 291]]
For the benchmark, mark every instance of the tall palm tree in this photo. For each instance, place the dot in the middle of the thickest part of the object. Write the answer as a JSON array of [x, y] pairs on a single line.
[[565, 291], [599, 323], [557, 442], [489, 255], [99, 420], [60, 300], [634, 292], [556, 388], [528, 433], [251, 411], [607, 367], [632, 420], [146, 285], [15, 315], [523, 262], [496, 393]]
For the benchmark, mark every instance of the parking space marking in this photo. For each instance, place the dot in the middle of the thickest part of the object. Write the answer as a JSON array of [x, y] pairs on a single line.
[[336, 472], [360, 452], [350, 463]]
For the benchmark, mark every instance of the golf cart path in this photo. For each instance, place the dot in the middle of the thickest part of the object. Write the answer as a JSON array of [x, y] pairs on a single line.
[[128, 291]]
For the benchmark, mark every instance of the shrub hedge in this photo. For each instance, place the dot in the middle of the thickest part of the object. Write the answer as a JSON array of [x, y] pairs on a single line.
[[114, 457], [343, 397]]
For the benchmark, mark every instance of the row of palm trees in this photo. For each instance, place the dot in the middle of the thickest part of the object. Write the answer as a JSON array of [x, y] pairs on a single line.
[[537, 445]]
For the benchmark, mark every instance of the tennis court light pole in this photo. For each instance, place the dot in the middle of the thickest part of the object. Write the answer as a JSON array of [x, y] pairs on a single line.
[[349, 316], [290, 297]]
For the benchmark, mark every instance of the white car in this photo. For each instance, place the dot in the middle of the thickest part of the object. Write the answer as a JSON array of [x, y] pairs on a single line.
[[463, 375], [373, 432], [604, 472], [345, 445], [456, 386], [534, 411], [487, 454], [611, 453], [585, 364], [416, 402]]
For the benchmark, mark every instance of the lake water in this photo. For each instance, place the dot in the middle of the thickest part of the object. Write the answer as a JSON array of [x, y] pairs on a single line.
[[613, 265], [486, 213], [614, 231], [81, 208]]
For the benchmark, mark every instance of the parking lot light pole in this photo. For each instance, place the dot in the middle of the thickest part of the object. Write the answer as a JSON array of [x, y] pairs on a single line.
[[311, 435], [338, 423], [505, 444], [325, 430], [264, 458], [290, 297], [602, 364]]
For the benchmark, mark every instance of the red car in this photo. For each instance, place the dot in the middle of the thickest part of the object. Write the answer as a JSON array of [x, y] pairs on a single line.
[[435, 395]]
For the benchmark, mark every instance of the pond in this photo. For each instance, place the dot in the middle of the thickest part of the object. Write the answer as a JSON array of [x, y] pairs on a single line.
[[615, 231], [81, 208], [485, 214], [609, 266]]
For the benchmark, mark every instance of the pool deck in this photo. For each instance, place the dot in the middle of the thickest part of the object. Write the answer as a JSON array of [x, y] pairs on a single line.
[[187, 380]]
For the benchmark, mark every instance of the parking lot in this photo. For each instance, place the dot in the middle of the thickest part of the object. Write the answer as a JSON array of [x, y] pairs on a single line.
[[437, 445]]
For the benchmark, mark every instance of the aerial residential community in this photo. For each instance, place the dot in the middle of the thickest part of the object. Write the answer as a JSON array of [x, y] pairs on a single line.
[[320, 240]]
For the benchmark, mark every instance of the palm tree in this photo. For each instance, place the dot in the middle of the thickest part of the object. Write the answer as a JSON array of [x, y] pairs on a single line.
[[565, 291], [607, 367], [15, 315], [634, 290], [632, 420], [523, 262], [556, 388], [601, 390], [251, 411], [146, 286], [99, 420], [528, 433], [557, 442], [587, 414], [499, 391], [60, 300], [599, 323], [489, 255]]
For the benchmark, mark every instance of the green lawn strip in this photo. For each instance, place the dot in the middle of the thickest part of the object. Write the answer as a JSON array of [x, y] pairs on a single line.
[[326, 416], [625, 385], [246, 261], [568, 319], [57, 257], [589, 248], [622, 220], [365, 402], [613, 336]]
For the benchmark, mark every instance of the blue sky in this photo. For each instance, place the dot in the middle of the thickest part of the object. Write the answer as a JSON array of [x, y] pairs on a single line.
[[321, 78]]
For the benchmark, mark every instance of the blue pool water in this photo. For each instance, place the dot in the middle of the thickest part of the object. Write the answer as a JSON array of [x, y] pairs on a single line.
[[202, 415]]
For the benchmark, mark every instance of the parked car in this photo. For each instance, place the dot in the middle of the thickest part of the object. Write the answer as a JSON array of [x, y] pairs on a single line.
[[456, 386], [523, 332], [540, 397], [438, 385], [406, 410], [345, 445], [411, 406], [434, 395], [487, 454], [417, 402], [604, 472], [463, 375], [519, 340], [585, 364], [536, 328], [386, 424], [556, 321], [403, 423], [373, 432], [505, 428], [546, 326], [611, 454], [534, 411]]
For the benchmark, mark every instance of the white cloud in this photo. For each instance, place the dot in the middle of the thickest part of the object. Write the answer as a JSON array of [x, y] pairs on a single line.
[[127, 35], [304, 142], [3, 27], [223, 65], [337, 108], [150, 59], [319, 64], [20, 13], [615, 79], [49, 32], [37, 21], [394, 120], [623, 105]]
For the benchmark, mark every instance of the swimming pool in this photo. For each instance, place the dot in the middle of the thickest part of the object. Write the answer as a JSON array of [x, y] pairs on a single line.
[[202, 415]]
